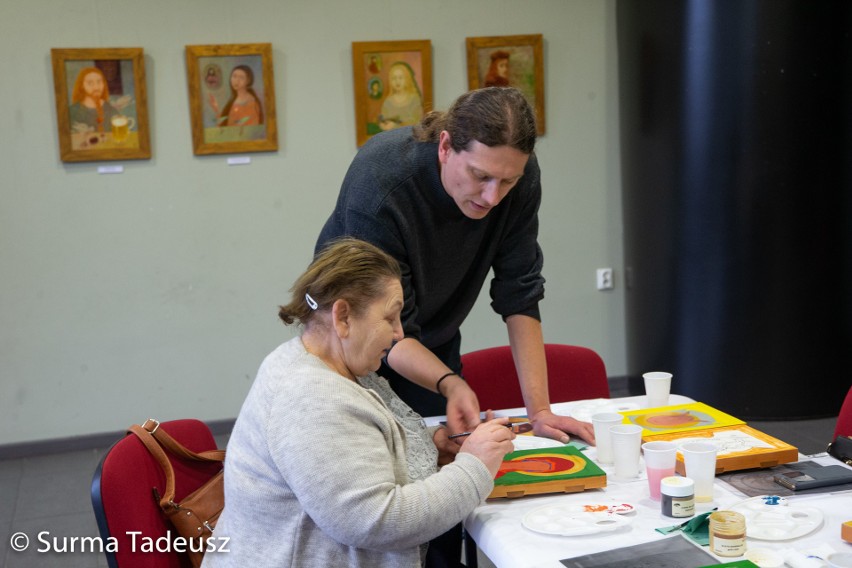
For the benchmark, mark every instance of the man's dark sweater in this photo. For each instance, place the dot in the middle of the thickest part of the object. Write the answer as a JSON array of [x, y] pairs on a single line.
[[392, 196]]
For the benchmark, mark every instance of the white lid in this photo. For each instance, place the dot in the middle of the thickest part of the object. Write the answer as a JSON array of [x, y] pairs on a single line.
[[675, 486]]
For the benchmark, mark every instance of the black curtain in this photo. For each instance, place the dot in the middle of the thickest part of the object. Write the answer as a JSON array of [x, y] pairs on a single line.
[[736, 141]]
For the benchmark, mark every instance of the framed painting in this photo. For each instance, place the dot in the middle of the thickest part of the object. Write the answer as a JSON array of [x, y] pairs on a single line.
[[101, 104], [392, 84], [231, 98], [509, 61]]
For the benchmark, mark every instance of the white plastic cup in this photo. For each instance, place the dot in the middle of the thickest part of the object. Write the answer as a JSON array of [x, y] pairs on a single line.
[[700, 461], [660, 461], [626, 444], [603, 441], [658, 385]]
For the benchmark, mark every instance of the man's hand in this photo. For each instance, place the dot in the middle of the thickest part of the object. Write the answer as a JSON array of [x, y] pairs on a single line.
[[462, 405], [550, 425]]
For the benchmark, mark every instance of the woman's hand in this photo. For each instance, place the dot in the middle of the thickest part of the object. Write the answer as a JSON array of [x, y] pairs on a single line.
[[490, 442], [447, 449]]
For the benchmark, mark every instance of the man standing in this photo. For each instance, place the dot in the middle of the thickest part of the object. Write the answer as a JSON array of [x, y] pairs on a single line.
[[451, 199]]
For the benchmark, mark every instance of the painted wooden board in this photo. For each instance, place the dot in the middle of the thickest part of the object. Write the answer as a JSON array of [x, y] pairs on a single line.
[[679, 418], [740, 447], [546, 470]]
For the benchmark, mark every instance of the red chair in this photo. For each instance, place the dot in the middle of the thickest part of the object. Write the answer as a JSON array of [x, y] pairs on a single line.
[[573, 373], [123, 499], [844, 419]]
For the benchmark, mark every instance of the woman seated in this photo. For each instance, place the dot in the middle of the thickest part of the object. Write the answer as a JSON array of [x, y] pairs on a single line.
[[326, 466]]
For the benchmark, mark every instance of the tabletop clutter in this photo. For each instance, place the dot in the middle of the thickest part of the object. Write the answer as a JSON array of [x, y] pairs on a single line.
[[684, 448]]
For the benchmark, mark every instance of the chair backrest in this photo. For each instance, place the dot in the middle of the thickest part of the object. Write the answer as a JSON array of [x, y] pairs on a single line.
[[573, 373], [844, 419], [123, 497]]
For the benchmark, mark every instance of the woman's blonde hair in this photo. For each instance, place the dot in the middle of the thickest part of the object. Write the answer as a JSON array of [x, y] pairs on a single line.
[[410, 84], [346, 269]]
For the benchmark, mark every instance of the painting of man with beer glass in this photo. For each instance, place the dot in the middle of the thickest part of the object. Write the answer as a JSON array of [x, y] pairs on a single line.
[[102, 111]]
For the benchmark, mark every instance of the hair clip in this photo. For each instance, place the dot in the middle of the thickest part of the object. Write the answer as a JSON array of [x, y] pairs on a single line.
[[311, 302]]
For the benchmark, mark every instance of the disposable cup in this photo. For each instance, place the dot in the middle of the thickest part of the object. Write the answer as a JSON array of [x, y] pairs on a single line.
[[660, 461], [700, 461], [657, 388], [603, 441], [626, 444]]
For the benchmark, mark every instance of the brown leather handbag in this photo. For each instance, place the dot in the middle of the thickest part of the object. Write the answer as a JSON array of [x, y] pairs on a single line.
[[194, 518]]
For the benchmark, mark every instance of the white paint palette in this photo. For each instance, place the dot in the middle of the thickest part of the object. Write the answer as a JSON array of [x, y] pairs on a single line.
[[782, 521], [576, 520]]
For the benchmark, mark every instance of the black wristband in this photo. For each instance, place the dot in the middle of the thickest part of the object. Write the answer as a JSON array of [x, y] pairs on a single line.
[[438, 384]]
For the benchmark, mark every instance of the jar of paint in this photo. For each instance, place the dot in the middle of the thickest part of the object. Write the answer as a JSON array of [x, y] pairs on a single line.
[[727, 533], [677, 496]]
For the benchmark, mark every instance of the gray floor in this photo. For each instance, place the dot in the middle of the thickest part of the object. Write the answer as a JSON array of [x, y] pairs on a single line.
[[51, 494]]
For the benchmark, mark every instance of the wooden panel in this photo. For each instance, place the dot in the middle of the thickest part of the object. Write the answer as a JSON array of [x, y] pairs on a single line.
[[736, 451], [547, 470]]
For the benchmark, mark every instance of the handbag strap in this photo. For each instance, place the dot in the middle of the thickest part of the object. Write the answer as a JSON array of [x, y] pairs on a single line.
[[153, 427], [155, 440], [167, 498]]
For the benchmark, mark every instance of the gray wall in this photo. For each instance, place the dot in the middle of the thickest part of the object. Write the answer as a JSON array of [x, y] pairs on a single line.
[[154, 292]]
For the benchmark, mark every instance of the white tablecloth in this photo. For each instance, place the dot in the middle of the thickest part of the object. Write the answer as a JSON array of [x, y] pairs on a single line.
[[497, 528]]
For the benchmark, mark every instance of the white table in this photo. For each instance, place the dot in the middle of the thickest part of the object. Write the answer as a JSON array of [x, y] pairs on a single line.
[[496, 525]]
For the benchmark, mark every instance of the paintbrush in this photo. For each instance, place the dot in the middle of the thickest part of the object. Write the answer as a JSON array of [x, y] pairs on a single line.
[[517, 428]]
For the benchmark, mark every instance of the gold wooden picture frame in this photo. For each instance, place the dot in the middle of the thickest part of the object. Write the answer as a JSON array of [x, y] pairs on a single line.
[[509, 61], [231, 98], [101, 104], [392, 85]]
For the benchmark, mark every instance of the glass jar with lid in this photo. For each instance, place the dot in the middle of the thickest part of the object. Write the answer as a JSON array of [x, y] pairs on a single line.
[[727, 533]]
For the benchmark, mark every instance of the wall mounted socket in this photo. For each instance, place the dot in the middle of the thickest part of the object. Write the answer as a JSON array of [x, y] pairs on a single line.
[[604, 279]]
